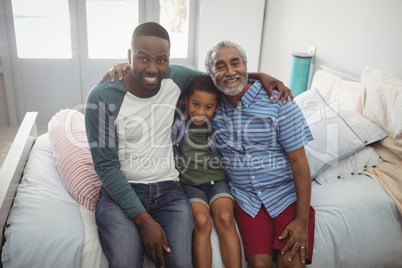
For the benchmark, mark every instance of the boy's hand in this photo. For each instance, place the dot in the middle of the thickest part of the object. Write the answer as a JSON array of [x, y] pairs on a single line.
[[121, 69], [153, 238]]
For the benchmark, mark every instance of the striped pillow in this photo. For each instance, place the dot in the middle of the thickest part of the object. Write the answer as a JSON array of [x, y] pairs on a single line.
[[71, 151]]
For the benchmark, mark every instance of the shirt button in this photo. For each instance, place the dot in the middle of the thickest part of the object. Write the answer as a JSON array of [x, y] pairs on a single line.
[[177, 145], [253, 177], [238, 131], [259, 192], [249, 156], [236, 112]]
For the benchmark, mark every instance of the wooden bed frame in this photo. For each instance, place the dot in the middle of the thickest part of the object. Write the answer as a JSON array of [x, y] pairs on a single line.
[[13, 166]]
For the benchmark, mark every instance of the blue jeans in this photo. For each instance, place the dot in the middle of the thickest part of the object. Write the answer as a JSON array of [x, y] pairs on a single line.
[[207, 193], [167, 204]]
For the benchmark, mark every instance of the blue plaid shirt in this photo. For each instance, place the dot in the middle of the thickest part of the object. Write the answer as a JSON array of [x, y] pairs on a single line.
[[254, 139]]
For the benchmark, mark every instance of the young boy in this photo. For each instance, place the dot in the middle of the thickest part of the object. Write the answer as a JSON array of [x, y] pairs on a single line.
[[201, 175]]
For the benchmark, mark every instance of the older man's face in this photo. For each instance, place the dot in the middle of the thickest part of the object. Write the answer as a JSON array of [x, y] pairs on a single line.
[[228, 71]]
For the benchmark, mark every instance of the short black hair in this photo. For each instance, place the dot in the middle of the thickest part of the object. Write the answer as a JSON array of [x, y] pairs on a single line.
[[204, 83], [150, 29]]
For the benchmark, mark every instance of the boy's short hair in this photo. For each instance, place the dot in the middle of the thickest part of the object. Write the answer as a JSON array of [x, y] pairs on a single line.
[[150, 29], [204, 83]]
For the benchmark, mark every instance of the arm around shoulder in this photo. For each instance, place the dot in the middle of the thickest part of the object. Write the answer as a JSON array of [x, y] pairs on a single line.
[[270, 83]]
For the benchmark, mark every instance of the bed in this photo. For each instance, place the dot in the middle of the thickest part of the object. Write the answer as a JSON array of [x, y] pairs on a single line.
[[48, 188]]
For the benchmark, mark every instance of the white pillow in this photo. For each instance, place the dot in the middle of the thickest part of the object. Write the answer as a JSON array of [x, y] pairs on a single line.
[[383, 104], [333, 88], [334, 137], [364, 128], [350, 166]]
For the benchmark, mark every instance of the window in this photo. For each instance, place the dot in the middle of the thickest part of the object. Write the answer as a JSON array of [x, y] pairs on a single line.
[[110, 24], [42, 28], [174, 16]]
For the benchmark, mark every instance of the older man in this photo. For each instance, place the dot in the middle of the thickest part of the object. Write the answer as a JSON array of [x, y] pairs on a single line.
[[262, 143]]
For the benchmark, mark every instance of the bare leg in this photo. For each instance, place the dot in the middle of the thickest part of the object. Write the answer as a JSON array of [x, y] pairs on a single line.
[[260, 261], [229, 243], [202, 250], [283, 261]]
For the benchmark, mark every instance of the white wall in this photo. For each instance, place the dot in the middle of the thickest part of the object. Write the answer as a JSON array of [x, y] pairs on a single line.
[[348, 35], [238, 21]]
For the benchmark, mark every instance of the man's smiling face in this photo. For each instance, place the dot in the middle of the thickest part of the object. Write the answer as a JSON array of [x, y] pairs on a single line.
[[149, 59], [228, 71]]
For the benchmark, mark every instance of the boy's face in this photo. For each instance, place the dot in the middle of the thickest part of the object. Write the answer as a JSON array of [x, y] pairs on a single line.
[[149, 59], [201, 107]]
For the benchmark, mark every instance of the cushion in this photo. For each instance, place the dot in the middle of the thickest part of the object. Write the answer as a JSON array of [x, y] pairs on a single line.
[[364, 128], [383, 104], [71, 151], [335, 136], [350, 166], [333, 88]]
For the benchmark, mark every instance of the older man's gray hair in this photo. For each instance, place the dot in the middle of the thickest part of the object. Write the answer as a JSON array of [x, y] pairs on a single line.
[[223, 44]]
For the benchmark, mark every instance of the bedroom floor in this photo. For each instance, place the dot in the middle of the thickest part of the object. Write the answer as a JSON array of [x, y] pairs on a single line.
[[7, 135]]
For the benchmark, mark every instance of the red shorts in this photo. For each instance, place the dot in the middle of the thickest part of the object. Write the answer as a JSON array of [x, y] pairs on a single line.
[[260, 234]]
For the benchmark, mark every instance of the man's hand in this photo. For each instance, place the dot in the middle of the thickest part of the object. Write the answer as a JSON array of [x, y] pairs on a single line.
[[270, 83], [153, 238], [284, 92], [298, 232], [121, 69]]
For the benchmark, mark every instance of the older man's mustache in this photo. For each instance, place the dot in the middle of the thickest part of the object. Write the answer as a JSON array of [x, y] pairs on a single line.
[[226, 78]]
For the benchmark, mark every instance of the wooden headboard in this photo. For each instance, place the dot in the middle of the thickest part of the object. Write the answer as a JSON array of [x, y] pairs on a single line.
[[13, 166]]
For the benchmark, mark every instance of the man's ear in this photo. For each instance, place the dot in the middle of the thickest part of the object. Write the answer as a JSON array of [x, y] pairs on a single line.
[[129, 55]]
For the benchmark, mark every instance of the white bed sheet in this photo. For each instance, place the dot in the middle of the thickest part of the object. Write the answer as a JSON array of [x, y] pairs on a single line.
[[40, 234], [357, 225]]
